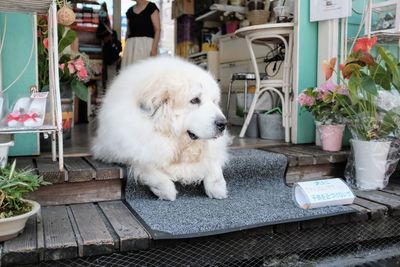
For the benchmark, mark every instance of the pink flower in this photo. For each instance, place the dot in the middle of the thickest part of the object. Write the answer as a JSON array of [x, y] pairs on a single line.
[[306, 100], [61, 66], [79, 64], [325, 88], [342, 90], [82, 74], [46, 43], [71, 68]]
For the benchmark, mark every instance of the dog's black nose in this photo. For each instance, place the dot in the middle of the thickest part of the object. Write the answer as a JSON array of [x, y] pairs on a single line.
[[221, 124]]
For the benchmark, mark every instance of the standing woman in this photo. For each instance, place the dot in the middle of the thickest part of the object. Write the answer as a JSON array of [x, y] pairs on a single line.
[[143, 33]]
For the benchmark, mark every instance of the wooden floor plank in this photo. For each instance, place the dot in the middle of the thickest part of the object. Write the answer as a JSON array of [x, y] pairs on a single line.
[[103, 170], [131, 233], [389, 200], [361, 215], [83, 192], [60, 242], [40, 235], [292, 159], [22, 249], [392, 189], [376, 211], [95, 235], [50, 171], [24, 164], [313, 172], [79, 170], [321, 156]]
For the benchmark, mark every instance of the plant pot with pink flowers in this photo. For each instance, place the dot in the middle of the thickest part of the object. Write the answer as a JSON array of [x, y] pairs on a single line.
[[322, 102], [372, 110]]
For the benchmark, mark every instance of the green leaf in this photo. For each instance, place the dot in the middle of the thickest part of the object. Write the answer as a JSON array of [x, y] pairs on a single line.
[[391, 63], [381, 76], [66, 40], [369, 85], [353, 85], [80, 90]]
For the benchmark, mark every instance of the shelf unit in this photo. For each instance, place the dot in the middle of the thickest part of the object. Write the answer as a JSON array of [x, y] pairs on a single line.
[[54, 128], [217, 9]]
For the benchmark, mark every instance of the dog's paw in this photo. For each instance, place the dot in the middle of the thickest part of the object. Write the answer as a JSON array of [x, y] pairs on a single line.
[[165, 191], [216, 189]]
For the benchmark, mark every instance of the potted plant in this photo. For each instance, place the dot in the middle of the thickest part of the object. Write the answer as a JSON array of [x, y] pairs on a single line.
[[75, 69], [270, 124], [14, 209], [372, 115], [323, 103]]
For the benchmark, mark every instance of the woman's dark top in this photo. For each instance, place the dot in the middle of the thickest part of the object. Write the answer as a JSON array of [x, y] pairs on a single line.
[[140, 25]]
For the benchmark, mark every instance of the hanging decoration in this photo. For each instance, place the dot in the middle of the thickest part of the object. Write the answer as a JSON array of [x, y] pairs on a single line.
[[65, 15]]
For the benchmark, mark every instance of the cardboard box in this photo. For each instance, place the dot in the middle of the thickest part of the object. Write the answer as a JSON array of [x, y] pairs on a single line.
[[182, 7]]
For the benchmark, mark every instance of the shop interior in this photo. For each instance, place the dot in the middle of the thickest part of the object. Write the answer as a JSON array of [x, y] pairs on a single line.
[[202, 32]]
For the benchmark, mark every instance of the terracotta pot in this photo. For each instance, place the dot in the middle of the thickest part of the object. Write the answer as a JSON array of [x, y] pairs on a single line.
[[331, 136], [11, 227]]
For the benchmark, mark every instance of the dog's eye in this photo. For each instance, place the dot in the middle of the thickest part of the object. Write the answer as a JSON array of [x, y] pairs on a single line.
[[195, 100]]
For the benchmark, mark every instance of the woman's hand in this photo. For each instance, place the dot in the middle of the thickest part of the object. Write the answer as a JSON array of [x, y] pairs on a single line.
[[153, 52]]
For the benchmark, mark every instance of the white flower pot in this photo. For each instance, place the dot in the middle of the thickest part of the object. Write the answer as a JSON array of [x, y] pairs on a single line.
[[370, 158], [4, 153], [11, 227]]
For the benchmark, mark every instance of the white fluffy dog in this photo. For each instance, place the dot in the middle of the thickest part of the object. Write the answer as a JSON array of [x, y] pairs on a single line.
[[161, 116]]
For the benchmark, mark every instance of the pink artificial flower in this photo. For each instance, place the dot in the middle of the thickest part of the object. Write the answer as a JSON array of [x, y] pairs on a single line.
[[61, 66], [71, 68], [46, 43], [79, 64], [328, 67], [306, 100], [82, 74], [342, 90], [325, 88]]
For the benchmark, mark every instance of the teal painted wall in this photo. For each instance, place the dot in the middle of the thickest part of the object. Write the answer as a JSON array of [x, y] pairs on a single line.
[[307, 66], [15, 55]]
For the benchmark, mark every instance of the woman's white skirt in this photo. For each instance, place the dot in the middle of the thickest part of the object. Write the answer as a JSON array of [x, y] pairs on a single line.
[[136, 48]]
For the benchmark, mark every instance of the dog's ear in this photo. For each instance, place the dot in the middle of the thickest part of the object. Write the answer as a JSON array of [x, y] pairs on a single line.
[[150, 102], [156, 104]]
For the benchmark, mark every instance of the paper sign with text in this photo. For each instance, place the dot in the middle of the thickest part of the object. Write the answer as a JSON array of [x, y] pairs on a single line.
[[322, 193]]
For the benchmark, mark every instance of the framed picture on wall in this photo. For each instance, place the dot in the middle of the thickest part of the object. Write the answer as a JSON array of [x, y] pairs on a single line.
[[383, 17], [329, 9]]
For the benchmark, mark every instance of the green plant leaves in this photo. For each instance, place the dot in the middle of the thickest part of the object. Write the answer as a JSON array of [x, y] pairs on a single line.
[[66, 40], [368, 84], [381, 76], [80, 90], [392, 65], [14, 184]]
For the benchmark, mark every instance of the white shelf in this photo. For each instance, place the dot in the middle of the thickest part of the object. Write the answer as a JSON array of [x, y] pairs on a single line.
[[217, 9], [34, 6], [42, 129]]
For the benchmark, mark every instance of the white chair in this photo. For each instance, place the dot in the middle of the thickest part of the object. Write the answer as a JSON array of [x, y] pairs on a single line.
[[266, 34]]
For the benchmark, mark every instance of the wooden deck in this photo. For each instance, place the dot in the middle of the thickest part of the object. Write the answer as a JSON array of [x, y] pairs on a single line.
[[78, 219], [79, 230]]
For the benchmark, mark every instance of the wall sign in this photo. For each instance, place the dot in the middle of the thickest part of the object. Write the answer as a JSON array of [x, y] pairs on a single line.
[[329, 9]]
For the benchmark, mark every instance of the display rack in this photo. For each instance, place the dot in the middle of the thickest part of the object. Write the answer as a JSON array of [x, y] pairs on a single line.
[[217, 9], [54, 126]]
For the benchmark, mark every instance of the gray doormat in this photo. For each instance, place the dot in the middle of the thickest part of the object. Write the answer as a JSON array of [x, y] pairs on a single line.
[[257, 197]]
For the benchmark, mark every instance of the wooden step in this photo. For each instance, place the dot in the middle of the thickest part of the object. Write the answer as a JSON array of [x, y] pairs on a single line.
[[83, 180], [82, 230], [65, 232], [308, 162]]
